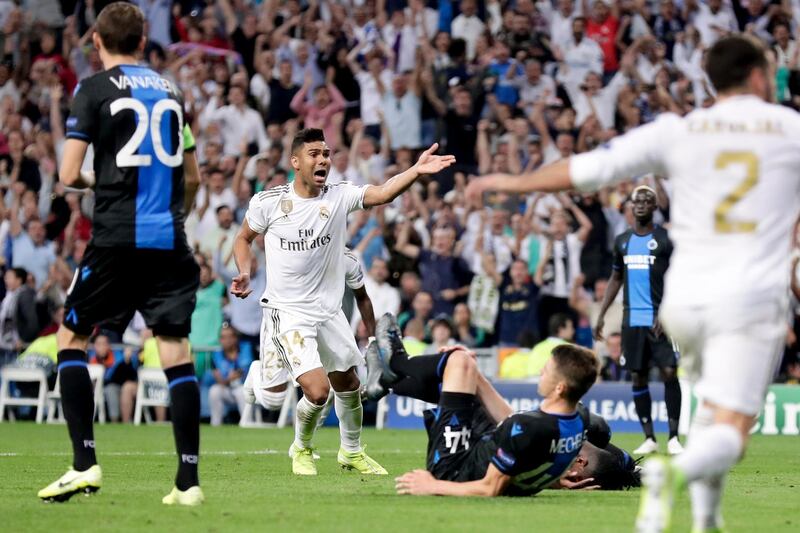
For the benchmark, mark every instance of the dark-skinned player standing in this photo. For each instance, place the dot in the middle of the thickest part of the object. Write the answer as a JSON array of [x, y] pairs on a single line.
[[641, 257]]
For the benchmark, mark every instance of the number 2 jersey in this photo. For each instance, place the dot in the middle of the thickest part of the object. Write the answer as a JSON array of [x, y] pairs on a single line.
[[134, 119], [735, 175]]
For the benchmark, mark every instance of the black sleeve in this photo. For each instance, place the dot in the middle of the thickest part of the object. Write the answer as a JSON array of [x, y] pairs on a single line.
[[619, 263], [463, 273], [599, 432], [82, 122], [506, 457]]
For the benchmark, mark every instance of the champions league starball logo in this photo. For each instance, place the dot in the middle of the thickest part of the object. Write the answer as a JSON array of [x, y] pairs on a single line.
[[652, 244]]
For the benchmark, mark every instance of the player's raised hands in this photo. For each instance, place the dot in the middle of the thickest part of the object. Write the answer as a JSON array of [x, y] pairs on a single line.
[[430, 163], [417, 482], [240, 286]]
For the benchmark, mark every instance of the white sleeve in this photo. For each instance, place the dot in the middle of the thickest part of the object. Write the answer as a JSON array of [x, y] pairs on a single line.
[[257, 216], [354, 275], [640, 151], [352, 195]]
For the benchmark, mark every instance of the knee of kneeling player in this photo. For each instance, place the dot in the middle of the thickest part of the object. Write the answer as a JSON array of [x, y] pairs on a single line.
[[273, 400]]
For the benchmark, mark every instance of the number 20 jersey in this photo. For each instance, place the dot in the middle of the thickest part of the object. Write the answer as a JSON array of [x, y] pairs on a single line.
[[135, 120], [734, 170]]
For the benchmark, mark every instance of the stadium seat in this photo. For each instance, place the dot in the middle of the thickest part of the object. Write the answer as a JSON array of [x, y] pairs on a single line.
[[153, 392], [10, 375], [251, 417], [55, 414]]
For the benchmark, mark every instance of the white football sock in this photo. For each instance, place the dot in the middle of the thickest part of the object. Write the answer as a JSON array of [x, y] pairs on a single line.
[[351, 415], [306, 416], [706, 497], [710, 452], [326, 409]]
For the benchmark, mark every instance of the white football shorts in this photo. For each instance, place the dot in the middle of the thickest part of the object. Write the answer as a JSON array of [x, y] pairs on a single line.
[[292, 345], [730, 352]]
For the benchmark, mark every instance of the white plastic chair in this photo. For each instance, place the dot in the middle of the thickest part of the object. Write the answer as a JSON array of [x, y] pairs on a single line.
[[55, 412], [153, 391], [10, 374]]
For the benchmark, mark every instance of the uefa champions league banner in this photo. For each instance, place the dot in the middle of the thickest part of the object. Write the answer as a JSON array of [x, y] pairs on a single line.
[[612, 401]]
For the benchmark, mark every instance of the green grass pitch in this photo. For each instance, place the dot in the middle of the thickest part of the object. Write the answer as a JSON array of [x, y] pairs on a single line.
[[248, 484]]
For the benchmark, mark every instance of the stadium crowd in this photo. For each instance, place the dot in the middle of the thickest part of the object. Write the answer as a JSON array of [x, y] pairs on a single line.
[[504, 86]]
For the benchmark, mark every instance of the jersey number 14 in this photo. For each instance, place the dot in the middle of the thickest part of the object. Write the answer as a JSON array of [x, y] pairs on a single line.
[[127, 156]]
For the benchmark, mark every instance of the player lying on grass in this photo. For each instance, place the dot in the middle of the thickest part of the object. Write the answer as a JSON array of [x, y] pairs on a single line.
[[470, 454]]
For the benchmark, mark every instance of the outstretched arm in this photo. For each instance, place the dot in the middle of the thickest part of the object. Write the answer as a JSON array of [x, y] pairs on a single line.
[[366, 310], [428, 163], [639, 151]]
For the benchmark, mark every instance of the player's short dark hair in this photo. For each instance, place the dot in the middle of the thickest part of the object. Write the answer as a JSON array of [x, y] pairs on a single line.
[[612, 468], [557, 322], [731, 60], [579, 368], [308, 135], [121, 27]]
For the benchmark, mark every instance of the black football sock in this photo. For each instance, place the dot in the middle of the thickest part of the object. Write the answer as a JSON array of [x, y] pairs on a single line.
[[77, 401], [644, 408], [427, 391], [672, 397], [422, 367], [185, 410]]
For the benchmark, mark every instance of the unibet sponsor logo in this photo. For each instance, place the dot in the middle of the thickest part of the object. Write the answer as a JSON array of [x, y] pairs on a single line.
[[639, 262]]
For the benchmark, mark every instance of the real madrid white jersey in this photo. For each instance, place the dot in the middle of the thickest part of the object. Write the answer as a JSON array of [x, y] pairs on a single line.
[[304, 240], [735, 174]]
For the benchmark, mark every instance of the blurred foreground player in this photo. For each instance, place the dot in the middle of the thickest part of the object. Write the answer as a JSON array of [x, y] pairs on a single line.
[[560, 445], [734, 172], [145, 177]]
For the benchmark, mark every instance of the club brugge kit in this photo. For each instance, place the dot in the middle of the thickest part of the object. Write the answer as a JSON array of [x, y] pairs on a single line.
[[138, 258], [534, 448], [643, 260]]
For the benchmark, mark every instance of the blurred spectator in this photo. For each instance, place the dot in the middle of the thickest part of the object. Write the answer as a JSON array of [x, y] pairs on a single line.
[[207, 316], [230, 367], [613, 368], [445, 277], [518, 305], [18, 316], [526, 365], [442, 334], [120, 378], [413, 335]]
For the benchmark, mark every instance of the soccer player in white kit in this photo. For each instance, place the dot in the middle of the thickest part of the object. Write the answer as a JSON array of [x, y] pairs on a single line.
[[734, 169], [273, 395], [305, 330]]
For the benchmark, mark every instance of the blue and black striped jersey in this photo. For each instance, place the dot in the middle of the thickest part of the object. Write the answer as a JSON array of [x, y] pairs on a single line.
[[643, 260], [135, 120]]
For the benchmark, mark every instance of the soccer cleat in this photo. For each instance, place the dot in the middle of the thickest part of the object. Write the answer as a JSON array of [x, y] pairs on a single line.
[[251, 381], [674, 446], [657, 496], [373, 390], [647, 447], [387, 333], [302, 461], [72, 483], [360, 462], [191, 497]]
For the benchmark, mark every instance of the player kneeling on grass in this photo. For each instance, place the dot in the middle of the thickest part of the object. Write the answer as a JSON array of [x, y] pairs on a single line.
[[469, 454]]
